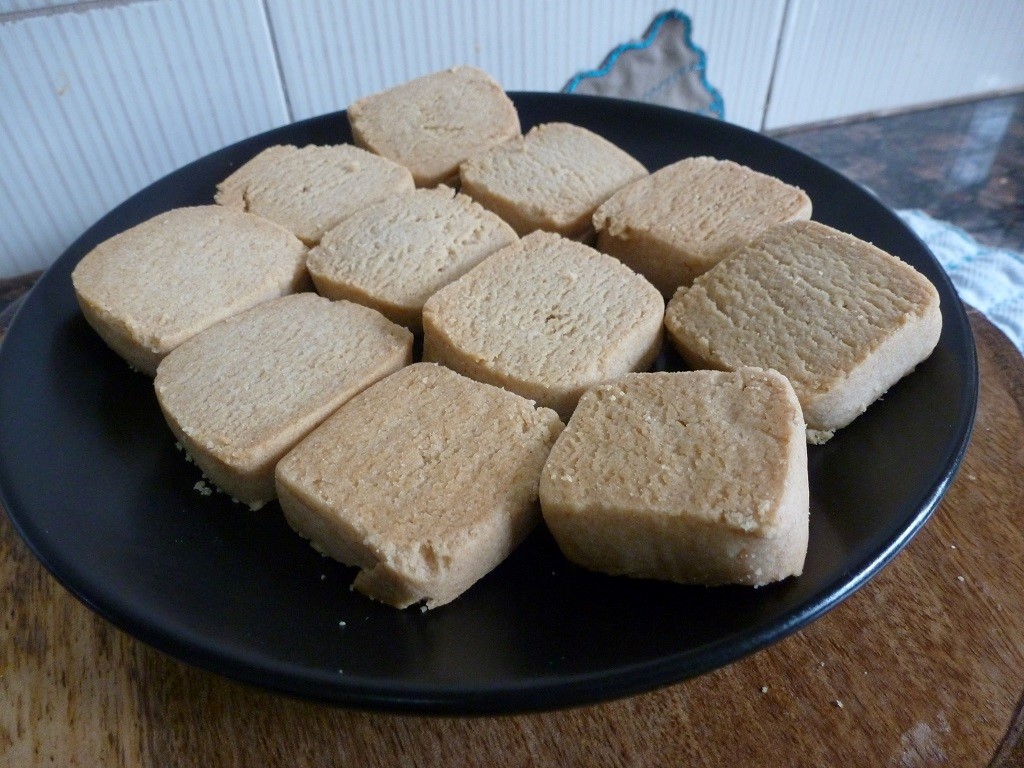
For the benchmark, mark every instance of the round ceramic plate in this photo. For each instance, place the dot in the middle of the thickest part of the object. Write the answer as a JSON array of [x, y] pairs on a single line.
[[91, 478]]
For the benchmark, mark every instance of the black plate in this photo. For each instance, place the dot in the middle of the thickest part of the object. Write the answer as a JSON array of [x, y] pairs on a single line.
[[91, 479]]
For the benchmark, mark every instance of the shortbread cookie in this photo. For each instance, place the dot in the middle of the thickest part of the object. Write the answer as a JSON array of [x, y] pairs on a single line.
[[426, 482], [433, 123], [683, 219], [842, 319], [394, 255], [552, 179], [545, 318], [150, 288], [310, 190], [242, 393], [695, 477]]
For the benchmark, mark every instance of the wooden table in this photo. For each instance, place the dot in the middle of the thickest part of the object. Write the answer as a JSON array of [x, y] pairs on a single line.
[[923, 666]]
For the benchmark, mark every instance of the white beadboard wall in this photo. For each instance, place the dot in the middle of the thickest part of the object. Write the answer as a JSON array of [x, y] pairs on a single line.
[[96, 104], [857, 56], [100, 98], [332, 54]]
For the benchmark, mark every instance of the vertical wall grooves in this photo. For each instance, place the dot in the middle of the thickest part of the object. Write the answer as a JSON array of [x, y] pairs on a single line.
[[332, 54], [862, 56], [99, 98], [775, 60]]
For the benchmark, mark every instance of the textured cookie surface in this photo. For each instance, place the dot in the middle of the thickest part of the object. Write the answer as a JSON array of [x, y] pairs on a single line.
[[546, 317], [310, 189], [394, 255], [433, 123], [842, 319], [696, 477], [425, 481], [686, 217], [239, 395], [552, 179], [148, 289]]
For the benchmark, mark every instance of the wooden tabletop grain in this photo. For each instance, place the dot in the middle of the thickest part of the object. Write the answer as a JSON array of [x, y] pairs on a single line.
[[923, 666]]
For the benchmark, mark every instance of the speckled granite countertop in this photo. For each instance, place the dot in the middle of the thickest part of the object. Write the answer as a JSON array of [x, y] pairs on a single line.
[[962, 163]]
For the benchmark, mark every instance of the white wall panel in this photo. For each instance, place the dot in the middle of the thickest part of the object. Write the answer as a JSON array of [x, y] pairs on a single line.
[[99, 98], [332, 53], [859, 56], [99, 101]]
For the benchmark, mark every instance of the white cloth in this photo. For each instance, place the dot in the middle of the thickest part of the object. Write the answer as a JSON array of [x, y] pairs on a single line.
[[989, 279]]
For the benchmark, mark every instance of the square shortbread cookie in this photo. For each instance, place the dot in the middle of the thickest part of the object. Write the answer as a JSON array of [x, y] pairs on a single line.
[[239, 395], [552, 179], [546, 318], [686, 217], [840, 318], [308, 190], [433, 123], [426, 481], [394, 255], [152, 287], [696, 477]]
